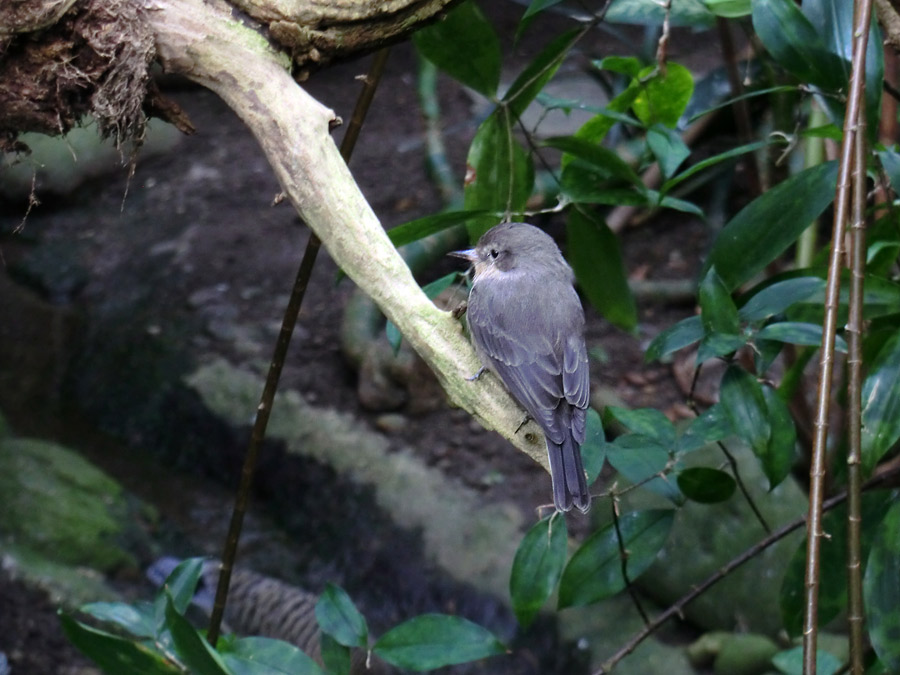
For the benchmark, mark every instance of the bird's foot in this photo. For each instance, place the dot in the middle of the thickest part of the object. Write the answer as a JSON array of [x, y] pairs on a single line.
[[477, 375]]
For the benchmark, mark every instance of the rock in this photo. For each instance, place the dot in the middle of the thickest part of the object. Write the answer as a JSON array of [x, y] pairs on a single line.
[[745, 654], [705, 537], [54, 269], [56, 504], [733, 653]]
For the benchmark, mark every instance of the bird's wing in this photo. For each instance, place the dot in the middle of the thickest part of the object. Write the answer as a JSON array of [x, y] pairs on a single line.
[[576, 382], [525, 345]]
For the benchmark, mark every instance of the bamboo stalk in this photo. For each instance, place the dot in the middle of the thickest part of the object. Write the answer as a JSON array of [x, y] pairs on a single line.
[[826, 362]]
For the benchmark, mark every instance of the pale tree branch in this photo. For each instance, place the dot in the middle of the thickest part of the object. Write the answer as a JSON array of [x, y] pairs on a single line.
[[205, 42]]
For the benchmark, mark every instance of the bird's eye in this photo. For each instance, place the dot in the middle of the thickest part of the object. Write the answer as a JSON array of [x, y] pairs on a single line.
[[494, 253]]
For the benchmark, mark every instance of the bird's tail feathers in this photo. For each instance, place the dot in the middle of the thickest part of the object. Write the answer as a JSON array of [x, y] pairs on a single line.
[[567, 473]]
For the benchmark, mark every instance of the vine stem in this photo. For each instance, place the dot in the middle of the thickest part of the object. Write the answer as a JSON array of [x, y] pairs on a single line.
[[852, 119], [267, 399]]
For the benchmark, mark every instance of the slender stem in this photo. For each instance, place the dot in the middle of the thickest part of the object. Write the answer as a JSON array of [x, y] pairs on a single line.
[[692, 404], [826, 363], [740, 106], [623, 557], [854, 421], [278, 358], [884, 475], [742, 487]]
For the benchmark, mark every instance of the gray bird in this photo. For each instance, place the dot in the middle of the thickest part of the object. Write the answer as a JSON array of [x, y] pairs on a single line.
[[527, 326]]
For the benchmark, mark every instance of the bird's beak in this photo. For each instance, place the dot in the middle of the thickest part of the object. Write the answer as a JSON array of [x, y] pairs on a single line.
[[469, 254]]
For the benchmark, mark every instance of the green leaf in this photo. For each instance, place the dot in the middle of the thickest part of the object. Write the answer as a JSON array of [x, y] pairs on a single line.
[[595, 570], [776, 298], [423, 227], [764, 228], [713, 425], [890, 162], [795, 44], [797, 333], [833, 20], [685, 332], [537, 73], [464, 30], [790, 662], [764, 353], [729, 9], [196, 653], [501, 173], [534, 8], [744, 404], [648, 422], [335, 656], [881, 404], [604, 161], [435, 640], [583, 184], [676, 204], [182, 583], [139, 620], [719, 316], [431, 290], [779, 456], [539, 6], [112, 653], [639, 458], [265, 656], [717, 345], [537, 567], [691, 13], [706, 486], [593, 450], [624, 65], [339, 618], [880, 298], [717, 310], [881, 591], [663, 98], [596, 258], [668, 148]]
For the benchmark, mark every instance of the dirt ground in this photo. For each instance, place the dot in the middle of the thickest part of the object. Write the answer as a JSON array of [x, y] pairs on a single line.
[[218, 186]]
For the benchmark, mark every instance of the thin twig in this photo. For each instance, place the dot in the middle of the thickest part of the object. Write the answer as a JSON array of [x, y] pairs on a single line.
[[854, 404], [677, 608], [741, 106], [742, 487], [692, 404], [278, 358], [829, 326], [623, 557], [662, 49]]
